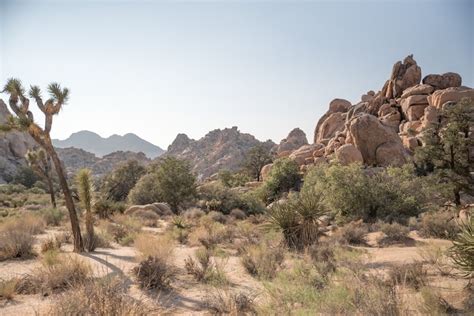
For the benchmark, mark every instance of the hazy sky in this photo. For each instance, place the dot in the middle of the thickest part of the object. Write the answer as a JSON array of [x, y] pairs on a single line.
[[158, 68]]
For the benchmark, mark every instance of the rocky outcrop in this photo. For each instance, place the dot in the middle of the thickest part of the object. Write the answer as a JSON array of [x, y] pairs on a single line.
[[385, 127], [13, 147], [161, 209], [75, 159], [295, 139], [218, 150]]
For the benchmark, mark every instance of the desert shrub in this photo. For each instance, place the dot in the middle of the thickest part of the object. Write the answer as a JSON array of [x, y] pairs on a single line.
[[411, 274], [8, 289], [283, 177], [116, 185], [210, 233], [105, 296], [151, 246], [226, 302], [434, 255], [123, 229], [154, 273], [65, 274], [217, 217], [462, 251], [16, 239], [434, 304], [204, 269], [170, 181], [233, 179], [50, 243], [323, 258], [297, 218], [352, 233], [106, 207], [10, 189], [391, 194], [25, 176], [238, 214], [52, 216], [193, 214], [147, 217], [393, 233], [216, 197], [262, 261], [438, 225], [98, 240]]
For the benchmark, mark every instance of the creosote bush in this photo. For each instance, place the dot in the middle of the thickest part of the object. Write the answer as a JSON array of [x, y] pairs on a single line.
[[352, 233], [393, 233], [439, 225], [284, 176], [53, 216]]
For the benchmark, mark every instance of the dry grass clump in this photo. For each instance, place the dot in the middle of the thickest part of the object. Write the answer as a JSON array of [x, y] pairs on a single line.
[[217, 217], [8, 289], [262, 261], [50, 244], [147, 217], [437, 257], [204, 269], [16, 237], [53, 216], [394, 233], [434, 304], [105, 296], [65, 273], [123, 229], [352, 233], [226, 302], [411, 274], [98, 240], [211, 233], [193, 214], [155, 270], [439, 225]]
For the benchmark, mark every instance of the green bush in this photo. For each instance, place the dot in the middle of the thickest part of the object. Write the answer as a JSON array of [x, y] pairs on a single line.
[[217, 197], [169, 181], [439, 225], [284, 176], [231, 179], [106, 208], [351, 192], [52, 216], [117, 185], [25, 176]]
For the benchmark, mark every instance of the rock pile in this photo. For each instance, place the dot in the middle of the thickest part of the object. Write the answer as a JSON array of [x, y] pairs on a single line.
[[384, 127]]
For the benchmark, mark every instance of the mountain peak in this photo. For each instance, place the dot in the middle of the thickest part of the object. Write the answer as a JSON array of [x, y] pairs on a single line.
[[100, 146]]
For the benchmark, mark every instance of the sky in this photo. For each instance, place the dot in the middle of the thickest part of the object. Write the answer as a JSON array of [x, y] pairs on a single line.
[[159, 68]]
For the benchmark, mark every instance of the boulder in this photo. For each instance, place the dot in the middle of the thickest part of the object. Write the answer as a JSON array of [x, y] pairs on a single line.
[[334, 123], [418, 89], [447, 80], [161, 209], [335, 106], [295, 139], [306, 151], [430, 116], [265, 171], [378, 144], [404, 75], [410, 143], [348, 153], [410, 128], [440, 97]]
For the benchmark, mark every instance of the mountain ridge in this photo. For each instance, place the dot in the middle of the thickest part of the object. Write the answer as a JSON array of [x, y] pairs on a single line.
[[101, 146]]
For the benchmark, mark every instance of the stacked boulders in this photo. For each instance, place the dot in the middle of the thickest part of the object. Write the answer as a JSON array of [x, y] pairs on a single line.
[[385, 127]]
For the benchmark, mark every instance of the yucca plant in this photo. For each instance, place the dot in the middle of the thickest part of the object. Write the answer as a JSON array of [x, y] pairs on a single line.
[[462, 251], [297, 218], [85, 191]]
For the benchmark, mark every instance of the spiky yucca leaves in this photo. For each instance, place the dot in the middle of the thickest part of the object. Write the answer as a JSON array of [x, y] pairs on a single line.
[[85, 190], [298, 219], [462, 251]]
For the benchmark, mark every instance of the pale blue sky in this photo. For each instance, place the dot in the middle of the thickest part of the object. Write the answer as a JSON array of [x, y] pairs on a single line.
[[158, 68]]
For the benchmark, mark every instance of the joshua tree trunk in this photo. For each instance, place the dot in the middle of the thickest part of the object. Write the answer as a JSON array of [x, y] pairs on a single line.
[[51, 192], [76, 230]]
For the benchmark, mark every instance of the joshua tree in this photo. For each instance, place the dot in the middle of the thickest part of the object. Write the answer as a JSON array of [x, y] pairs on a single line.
[[23, 120], [40, 162], [84, 188]]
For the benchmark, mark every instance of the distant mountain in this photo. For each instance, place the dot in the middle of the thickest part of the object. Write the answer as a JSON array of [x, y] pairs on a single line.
[[100, 146], [218, 150]]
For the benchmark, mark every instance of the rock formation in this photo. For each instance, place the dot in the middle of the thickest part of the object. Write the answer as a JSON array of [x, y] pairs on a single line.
[[218, 150], [13, 147], [384, 127], [75, 159], [295, 139]]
